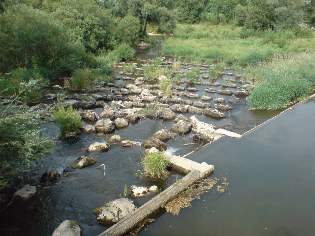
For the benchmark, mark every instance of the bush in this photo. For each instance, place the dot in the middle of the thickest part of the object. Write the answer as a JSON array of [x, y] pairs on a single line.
[[121, 53], [155, 164], [68, 119], [83, 79], [127, 30], [21, 141], [22, 83]]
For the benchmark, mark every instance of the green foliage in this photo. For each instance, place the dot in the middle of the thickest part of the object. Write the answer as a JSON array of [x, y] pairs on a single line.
[[155, 164], [83, 79], [282, 82], [22, 83], [21, 141], [121, 53], [127, 30], [68, 119], [154, 71]]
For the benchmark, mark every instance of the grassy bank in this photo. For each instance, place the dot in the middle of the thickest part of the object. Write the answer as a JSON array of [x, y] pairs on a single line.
[[283, 81], [234, 45]]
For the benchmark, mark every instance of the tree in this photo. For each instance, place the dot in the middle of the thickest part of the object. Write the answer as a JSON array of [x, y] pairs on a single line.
[[127, 30], [34, 39], [260, 15]]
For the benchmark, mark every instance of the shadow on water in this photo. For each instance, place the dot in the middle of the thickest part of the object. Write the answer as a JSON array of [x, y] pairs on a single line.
[[271, 173]]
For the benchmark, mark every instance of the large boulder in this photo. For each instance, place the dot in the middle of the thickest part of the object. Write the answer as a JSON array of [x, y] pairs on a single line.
[[67, 228], [114, 211], [25, 193], [115, 139], [105, 126], [154, 142], [83, 161], [90, 115], [98, 147], [121, 123], [182, 127], [163, 135], [107, 113]]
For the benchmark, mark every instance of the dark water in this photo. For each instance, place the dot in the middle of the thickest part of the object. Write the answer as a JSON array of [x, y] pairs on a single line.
[[271, 174], [75, 196]]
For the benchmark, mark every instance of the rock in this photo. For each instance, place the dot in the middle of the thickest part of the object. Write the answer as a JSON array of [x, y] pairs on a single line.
[[71, 135], [231, 85], [182, 117], [128, 143], [98, 147], [191, 95], [192, 89], [222, 107], [67, 228], [151, 150], [105, 126], [202, 138], [115, 139], [107, 113], [180, 88], [206, 98], [73, 103], [163, 135], [50, 176], [50, 96], [241, 93], [83, 161], [201, 104], [87, 128], [214, 113], [181, 127], [142, 191], [225, 92], [121, 123], [195, 110], [167, 114], [179, 108], [133, 118], [114, 211], [25, 193], [154, 142], [90, 115], [210, 90], [219, 100]]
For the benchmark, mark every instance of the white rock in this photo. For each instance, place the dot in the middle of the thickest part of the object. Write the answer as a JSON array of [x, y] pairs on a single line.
[[67, 228], [26, 192]]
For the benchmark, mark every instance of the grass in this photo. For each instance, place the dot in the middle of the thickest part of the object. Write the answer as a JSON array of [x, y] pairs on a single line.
[[233, 45], [68, 119], [155, 164], [193, 76], [283, 81]]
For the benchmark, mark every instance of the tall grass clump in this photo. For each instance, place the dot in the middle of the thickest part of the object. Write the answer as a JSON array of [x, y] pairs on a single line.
[[193, 76], [155, 164], [283, 81], [166, 86], [68, 119]]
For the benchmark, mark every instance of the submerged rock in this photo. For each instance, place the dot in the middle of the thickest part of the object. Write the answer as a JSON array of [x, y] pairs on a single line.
[[98, 147], [67, 228], [182, 127], [83, 161], [50, 176], [114, 211], [25, 193], [154, 142]]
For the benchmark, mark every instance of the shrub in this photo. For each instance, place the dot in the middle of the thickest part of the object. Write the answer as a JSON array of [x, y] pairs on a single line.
[[127, 30], [83, 79], [23, 83], [21, 140], [121, 53], [155, 164], [68, 119]]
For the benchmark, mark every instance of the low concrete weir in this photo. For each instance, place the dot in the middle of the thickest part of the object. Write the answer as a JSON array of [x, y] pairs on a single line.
[[195, 171]]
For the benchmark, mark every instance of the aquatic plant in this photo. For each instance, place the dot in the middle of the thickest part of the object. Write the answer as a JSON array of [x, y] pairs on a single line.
[[155, 164], [193, 76], [68, 119]]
